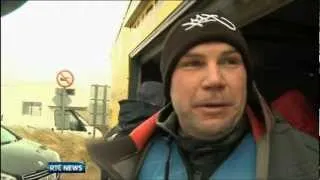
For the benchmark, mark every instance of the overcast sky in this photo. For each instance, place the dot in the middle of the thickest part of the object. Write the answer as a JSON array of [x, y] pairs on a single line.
[[42, 37]]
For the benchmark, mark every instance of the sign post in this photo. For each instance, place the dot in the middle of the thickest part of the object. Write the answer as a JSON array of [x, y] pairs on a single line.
[[95, 113], [62, 109], [64, 79], [98, 106]]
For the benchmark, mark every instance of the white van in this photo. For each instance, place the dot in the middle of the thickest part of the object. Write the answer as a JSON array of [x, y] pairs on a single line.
[[75, 124]]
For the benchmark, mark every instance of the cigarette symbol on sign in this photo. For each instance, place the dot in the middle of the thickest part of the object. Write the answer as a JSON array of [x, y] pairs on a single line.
[[65, 78]]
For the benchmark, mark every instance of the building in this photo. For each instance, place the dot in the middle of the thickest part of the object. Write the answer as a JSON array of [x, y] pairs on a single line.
[[34, 104], [140, 21], [280, 34]]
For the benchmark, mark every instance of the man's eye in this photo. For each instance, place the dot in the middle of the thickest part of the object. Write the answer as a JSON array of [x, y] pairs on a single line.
[[230, 61], [191, 63]]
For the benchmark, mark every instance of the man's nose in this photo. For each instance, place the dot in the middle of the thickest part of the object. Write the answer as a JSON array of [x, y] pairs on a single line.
[[213, 77]]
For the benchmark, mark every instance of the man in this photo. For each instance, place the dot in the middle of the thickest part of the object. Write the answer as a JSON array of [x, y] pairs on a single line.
[[134, 111], [216, 124]]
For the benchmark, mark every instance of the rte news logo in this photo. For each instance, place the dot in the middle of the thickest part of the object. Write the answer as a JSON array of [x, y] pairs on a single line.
[[66, 167]]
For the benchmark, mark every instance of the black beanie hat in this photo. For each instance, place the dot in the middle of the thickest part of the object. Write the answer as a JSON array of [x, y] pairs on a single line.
[[196, 28]]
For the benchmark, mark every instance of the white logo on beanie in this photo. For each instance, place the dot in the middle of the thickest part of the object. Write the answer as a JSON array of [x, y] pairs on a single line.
[[202, 19]]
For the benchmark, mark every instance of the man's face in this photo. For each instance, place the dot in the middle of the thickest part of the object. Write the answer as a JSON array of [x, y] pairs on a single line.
[[208, 90]]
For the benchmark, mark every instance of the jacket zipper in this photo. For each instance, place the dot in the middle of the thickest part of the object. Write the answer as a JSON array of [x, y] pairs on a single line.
[[186, 165]]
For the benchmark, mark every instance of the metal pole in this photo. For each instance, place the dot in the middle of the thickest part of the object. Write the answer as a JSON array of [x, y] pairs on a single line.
[[95, 110], [105, 105], [62, 109]]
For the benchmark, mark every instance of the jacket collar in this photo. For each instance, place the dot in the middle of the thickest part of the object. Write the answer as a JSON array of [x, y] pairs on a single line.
[[143, 132]]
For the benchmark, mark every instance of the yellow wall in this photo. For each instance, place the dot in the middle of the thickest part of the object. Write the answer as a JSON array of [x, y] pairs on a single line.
[[128, 39]]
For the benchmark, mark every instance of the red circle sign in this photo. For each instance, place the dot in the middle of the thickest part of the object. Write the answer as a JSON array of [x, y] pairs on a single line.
[[65, 78]]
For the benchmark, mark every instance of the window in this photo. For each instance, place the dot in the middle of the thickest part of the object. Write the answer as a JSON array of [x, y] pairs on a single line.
[[136, 24], [75, 123], [158, 2], [140, 14], [70, 122], [31, 108], [149, 9]]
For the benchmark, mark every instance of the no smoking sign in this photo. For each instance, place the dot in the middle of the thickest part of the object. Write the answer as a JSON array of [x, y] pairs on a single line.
[[65, 78]]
